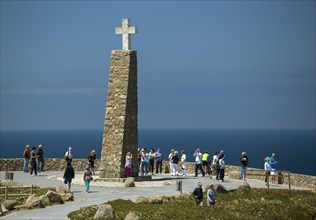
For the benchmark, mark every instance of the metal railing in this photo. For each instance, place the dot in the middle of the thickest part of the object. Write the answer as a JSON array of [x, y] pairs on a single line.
[[267, 175]]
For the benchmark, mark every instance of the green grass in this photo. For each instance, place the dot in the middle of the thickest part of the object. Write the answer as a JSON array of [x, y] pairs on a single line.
[[253, 204]]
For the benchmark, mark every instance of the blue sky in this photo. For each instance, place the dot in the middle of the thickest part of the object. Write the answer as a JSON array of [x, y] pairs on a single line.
[[201, 64]]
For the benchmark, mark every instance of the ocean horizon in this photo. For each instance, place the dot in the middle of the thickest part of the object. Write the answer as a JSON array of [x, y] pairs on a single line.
[[295, 148]]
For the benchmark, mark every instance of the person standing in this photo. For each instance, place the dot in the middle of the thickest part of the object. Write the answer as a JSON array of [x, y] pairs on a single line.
[[144, 162], [69, 174], [221, 168], [243, 165], [198, 162], [267, 168], [26, 156], [174, 164], [170, 158], [205, 160], [198, 195], [211, 196], [273, 162], [91, 158], [33, 161], [158, 160], [128, 164], [40, 158], [184, 163], [215, 165], [151, 156], [87, 177], [68, 155]]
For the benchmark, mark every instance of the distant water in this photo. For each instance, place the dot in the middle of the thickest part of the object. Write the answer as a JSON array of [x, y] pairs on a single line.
[[295, 149]]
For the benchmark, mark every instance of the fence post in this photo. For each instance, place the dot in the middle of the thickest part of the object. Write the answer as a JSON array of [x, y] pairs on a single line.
[[5, 192], [31, 189], [288, 174]]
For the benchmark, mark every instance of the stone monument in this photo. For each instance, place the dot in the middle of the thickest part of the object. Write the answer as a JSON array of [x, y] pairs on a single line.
[[120, 133]]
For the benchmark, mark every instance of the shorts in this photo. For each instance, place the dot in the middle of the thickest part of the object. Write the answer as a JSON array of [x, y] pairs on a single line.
[[67, 180], [272, 173], [204, 163]]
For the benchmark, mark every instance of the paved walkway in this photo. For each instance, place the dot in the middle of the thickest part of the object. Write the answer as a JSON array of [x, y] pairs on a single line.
[[102, 192]]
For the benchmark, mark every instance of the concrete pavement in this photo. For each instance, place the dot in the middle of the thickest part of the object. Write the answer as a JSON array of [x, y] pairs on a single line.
[[102, 192]]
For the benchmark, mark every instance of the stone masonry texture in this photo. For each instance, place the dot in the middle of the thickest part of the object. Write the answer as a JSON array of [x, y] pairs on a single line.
[[120, 133]]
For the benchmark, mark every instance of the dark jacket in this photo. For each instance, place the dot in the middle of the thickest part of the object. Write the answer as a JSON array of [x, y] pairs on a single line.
[[244, 161], [69, 172], [175, 159], [198, 193], [40, 153]]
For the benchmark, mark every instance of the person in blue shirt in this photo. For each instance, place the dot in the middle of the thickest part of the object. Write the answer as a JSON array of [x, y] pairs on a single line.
[[273, 162]]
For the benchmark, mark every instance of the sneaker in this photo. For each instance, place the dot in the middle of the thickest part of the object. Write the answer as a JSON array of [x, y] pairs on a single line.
[[32, 175], [221, 180]]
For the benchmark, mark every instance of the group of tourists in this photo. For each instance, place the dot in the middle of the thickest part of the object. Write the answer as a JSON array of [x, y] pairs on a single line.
[[147, 161], [270, 164], [36, 159], [210, 195]]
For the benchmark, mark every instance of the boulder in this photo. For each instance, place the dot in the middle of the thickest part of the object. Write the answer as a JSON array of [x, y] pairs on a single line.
[[1, 212], [44, 200], [33, 202], [62, 189], [104, 211], [141, 199], [132, 216], [234, 174], [66, 197], [54, 197], [166, 183], [220, 189], [155, 199], [244, 186], [9, 204], [129, 182]]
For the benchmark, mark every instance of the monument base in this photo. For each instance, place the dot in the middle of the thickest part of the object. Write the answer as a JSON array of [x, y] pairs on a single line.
[[122, 180]]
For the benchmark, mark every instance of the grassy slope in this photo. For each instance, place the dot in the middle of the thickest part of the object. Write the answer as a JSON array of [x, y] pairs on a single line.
[[254, 204]]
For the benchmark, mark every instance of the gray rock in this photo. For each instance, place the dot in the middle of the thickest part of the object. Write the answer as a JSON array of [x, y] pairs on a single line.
[[132, 216], [104, 211], [66, 197], [129, 182], [62, 189], [141, 199], [244, 186], [155, 199], [44, 200], [33, 202], [54, 197], [220, 189], [9, 204]]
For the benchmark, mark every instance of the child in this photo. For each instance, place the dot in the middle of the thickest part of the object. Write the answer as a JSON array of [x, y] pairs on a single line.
[[128, 164], [211, 196], [87, 177]]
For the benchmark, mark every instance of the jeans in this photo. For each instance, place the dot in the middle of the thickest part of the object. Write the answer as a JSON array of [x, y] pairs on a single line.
[[243, 172], [26, 165], [143, 168], [34, 167], [159, 165], [40, 161]]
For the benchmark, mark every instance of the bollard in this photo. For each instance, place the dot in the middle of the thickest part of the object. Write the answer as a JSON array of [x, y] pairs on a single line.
[[179, 186], [8, 176]]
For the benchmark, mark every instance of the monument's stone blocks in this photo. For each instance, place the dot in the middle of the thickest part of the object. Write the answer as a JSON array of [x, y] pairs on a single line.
[[120, 129]]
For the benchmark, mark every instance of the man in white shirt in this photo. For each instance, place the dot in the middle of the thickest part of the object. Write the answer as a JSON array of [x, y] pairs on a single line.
[[198, 162]]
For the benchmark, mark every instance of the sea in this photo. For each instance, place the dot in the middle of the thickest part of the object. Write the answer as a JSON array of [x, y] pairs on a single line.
[[295, 148]]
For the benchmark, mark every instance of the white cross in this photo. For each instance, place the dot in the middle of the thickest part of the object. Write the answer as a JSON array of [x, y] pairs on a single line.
[[126, 32]]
